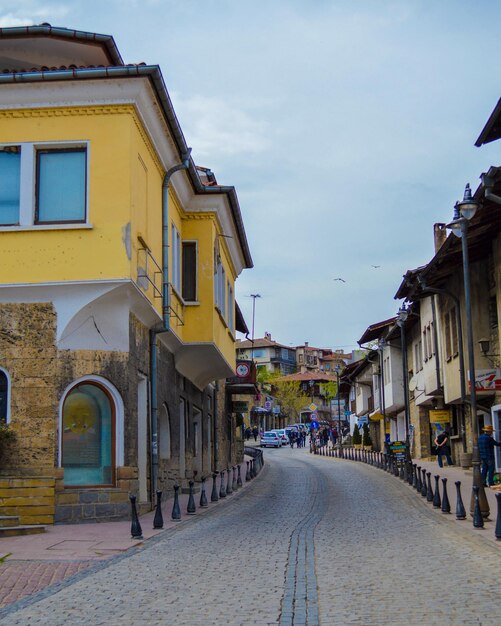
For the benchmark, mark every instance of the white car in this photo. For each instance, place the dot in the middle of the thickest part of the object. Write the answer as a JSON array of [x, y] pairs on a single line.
[[271, 439], [283, 435]]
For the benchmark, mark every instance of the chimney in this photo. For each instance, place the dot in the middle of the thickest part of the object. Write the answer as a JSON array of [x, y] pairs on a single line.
[[267, 336], [305, 344], [440, 235]]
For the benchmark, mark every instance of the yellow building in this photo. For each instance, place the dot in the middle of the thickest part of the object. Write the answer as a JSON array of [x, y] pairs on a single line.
[[118, 260]]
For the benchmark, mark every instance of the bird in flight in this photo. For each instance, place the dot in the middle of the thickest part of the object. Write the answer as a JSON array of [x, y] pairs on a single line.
[[341, 279], [375, 266]]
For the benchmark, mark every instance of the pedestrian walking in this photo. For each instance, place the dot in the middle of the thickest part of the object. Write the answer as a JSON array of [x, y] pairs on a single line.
[[255, 433], [443, 448], [486, 443]]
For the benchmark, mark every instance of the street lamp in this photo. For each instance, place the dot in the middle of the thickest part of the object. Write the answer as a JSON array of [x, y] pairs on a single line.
[[253, 296], [463, 212], [337, 369], [402, 315]]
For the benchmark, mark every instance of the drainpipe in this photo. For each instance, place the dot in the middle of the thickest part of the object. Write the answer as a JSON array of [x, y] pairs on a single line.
[[214, 427], [165, 320]]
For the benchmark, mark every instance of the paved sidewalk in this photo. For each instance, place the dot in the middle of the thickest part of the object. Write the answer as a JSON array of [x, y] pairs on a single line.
[[33, 562], [453, 474]]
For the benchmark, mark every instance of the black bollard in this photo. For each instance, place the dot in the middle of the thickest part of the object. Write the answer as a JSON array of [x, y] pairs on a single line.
[[203, 498], [414, 475], [446, 507], [419, 486], [247, 474], [498, 521], [229, 488], [135, 528], [460, 510], [222, 490], [214, 497], [239, 477], [478, 520], [158, 520], [396, 469], [401, 471], [437, 502], [429, 490], [234, 485], [410, 473], [191, 509], [423, 484], [176, 510]]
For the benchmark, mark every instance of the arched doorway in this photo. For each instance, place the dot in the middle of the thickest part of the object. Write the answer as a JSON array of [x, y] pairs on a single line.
[[88, 434]]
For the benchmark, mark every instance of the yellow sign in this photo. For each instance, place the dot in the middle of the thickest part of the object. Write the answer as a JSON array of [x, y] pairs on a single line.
[[375, 417], [440, 416], [312, 407]]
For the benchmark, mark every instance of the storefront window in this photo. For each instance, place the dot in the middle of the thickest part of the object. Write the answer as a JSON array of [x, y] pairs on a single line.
[[88, 437]]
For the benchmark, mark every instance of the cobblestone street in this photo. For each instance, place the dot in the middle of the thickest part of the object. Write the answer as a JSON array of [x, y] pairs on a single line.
[[310, 541]]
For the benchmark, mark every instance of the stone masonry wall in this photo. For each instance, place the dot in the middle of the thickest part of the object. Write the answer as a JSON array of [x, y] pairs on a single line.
[[28, 354]]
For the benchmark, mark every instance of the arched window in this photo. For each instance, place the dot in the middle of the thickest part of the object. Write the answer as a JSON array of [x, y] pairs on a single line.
[[165, 448], [88, 436], [4, 397]]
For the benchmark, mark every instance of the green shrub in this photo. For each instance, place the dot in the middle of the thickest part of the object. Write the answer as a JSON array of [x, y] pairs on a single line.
[[366, 438], [356, 437]]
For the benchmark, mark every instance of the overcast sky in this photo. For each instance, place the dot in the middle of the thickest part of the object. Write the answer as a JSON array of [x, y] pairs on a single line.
[[346, 126]]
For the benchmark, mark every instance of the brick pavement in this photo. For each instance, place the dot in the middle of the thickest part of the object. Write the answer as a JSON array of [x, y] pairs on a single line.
[[381, 556]]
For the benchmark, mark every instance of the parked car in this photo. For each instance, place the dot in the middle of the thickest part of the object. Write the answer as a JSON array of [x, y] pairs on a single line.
[[271, 439], [283, 435]]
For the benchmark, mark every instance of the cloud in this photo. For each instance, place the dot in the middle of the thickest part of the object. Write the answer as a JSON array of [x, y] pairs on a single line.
[[29, 12], [220, 127]]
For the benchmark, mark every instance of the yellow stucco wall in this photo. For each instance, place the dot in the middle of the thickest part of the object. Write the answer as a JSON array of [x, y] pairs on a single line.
[[124, 181], [124, 201]]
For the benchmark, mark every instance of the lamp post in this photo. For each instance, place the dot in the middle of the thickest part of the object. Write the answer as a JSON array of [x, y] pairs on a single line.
[[463, 213], [253, 296], [381, 346], [253, 369], [402, 315], [337, 369]]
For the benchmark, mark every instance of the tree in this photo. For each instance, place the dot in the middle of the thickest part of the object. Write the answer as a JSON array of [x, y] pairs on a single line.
[[291, 398], [356, 437], [366, 438]]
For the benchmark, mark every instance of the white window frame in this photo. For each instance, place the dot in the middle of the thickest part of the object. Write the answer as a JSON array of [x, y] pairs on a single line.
[[176, 258], [28, 178]]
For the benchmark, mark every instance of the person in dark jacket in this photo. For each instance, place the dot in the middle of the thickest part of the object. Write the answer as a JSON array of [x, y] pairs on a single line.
[[443, 448], [486, 443]]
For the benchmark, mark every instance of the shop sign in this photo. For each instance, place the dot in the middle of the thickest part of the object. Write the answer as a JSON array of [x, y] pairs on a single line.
[[240, 407], [398, 449], [487, 380], [440, 416]]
